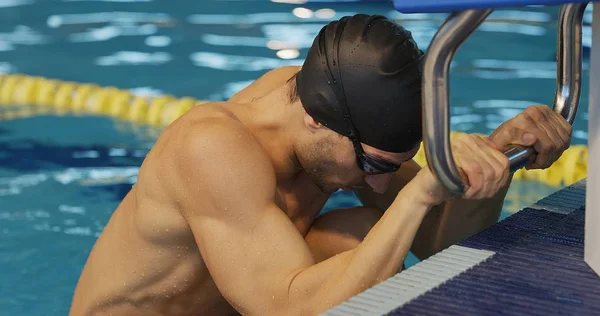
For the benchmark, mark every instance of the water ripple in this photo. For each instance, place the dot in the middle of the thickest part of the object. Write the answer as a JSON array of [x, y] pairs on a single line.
[[109, 32], [22, 35], [14, 3], [240, 63], [97, 176], [134, 58], [58, 20], [260, 18]]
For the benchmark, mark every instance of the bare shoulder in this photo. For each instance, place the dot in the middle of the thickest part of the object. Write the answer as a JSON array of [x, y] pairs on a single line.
[[265, 83], [213, 154]]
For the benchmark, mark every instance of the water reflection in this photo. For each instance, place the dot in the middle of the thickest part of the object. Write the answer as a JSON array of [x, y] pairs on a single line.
[[239, 62], [14, 3], [301, 15], [134, 58], [21, 35], [108, 32]]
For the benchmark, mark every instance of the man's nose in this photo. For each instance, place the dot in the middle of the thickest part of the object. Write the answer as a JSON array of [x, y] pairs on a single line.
[[379, 182]]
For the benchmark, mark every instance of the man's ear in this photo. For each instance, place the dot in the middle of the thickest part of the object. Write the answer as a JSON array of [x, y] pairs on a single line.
[[311, 124]]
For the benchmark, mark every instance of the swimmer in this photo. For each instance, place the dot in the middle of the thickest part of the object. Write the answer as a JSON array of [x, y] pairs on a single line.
[[224, 217]]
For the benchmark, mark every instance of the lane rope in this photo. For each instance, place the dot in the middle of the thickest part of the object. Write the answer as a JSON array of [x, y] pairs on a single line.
[[37, 95]]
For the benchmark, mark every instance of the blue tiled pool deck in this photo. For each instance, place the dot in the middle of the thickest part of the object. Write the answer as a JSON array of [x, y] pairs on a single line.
[[531, 263]]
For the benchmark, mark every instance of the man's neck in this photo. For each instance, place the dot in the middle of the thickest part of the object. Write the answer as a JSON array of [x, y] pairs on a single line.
[[271, 121]]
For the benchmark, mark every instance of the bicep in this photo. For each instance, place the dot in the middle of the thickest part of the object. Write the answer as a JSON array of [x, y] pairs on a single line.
[[252, 255], [250, 247]]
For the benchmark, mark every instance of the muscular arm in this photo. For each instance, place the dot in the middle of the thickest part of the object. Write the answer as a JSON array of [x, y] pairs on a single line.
[[257, 258], [447, 223]]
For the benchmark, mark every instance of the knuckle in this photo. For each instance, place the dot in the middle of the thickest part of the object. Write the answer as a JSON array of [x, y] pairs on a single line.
[[504, 161], [563, 144], [500, 172], [534, 113], [504, 164], [569, 129], [474, 169], [547, 146]]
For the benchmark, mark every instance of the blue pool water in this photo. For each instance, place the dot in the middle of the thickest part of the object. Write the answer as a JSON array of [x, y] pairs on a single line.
[[61, 177]]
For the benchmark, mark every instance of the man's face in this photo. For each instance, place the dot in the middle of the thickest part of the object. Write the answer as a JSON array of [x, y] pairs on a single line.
[[332, 165]]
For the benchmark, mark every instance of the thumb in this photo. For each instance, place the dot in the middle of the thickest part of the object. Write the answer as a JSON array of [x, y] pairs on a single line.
[[505, 136], [528, 139]]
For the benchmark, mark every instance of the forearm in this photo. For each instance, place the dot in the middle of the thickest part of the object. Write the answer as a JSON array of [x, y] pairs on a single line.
[[377, 258], [455, 220]]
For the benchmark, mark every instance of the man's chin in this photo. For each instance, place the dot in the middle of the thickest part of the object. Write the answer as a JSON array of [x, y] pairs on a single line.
[[328, 189]]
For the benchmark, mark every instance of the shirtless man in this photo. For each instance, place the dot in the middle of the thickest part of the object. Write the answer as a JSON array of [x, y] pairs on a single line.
[[223, 218]]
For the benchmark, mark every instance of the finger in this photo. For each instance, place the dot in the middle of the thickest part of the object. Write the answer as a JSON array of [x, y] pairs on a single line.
[[540, 126], [516, 135], [497, 163], [553, 128], [481, 153], [501, 166], [531, 162], [544, 147], [563, 128], [471, 168], [551, 149]]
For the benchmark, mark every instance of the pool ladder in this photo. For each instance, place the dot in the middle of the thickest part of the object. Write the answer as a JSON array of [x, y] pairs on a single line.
[[453, 32]]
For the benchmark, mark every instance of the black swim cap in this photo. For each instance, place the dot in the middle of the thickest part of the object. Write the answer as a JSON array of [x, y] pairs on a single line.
[[374, 67]]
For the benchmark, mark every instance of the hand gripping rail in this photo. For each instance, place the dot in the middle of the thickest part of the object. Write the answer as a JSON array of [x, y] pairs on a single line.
[[455, 30]]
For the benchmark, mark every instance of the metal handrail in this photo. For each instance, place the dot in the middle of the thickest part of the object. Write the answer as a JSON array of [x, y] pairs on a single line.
[[455, 30]]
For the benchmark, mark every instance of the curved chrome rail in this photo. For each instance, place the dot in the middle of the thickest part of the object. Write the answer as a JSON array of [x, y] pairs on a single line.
[[455, 30]]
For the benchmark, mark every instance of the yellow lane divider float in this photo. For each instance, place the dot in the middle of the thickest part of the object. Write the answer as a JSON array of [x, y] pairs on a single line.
[[46, 95]]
